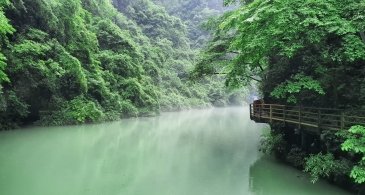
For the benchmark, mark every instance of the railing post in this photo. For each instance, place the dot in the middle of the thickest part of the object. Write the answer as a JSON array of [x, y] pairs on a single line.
[[342, 121], [270, 113], [251, 111], [300, 117], [284, 114], [319, 120]]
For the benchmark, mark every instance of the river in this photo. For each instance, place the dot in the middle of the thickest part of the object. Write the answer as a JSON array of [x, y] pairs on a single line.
[[197, 152]]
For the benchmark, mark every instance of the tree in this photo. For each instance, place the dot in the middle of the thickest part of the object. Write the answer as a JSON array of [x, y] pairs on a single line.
[[5, 29], [273, 41], [355, 143]]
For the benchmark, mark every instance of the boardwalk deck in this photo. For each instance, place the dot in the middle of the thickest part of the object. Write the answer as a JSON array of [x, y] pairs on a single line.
[[319, 118]]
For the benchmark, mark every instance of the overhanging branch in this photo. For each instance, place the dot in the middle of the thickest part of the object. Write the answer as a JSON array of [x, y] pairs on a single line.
[[254, 79], [250, 77]]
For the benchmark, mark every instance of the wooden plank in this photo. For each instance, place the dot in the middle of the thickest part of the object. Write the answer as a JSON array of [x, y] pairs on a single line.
[[356, 123], [335, 115], [356, 117], [306, 117], [323, 120]]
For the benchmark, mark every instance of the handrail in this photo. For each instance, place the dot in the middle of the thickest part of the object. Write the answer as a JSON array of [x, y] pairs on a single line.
[[321, 118]]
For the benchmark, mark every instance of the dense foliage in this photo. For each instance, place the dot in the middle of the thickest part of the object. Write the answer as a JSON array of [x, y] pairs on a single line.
[[195, 14], [272, 143], [5, 29], [306, 47], [78, 61], [325, 166], [355, 143]]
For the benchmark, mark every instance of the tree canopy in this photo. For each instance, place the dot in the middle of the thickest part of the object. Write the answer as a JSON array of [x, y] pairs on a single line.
[[276, 42]]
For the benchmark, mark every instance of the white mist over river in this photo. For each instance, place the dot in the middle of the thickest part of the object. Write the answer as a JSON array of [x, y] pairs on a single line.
[[198, 152]]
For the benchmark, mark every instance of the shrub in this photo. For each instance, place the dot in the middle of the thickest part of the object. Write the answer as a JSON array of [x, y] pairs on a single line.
[[273, 143], [128, 109], [296, 157], [77, 111], [355, 143], [325, 166]]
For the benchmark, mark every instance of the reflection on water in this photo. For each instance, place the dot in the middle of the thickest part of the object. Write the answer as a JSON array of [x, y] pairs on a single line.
[[271, 177], [205, 152]]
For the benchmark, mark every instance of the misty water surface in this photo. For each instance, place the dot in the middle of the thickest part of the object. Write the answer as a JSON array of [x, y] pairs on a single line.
[[204, 152]]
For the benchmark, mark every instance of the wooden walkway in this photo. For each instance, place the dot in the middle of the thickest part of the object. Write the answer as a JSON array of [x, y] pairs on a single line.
[[318, 118]]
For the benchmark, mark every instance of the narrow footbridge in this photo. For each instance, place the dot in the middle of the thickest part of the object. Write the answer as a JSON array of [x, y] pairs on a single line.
[[318, 118]]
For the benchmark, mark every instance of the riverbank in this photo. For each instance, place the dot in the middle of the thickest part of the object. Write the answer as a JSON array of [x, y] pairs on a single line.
[[320, 155]]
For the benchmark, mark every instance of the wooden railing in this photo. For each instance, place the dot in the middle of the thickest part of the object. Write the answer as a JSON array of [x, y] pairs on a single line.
[[320, 118]]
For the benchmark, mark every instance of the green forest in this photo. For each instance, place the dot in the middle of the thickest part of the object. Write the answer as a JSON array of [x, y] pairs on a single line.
[[85, 61], [69, 62]]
